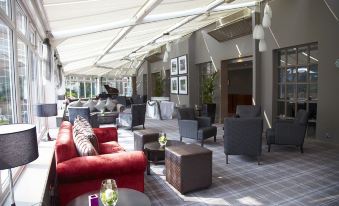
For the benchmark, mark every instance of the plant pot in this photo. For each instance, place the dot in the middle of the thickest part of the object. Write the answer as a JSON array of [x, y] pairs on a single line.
[[208, 110]]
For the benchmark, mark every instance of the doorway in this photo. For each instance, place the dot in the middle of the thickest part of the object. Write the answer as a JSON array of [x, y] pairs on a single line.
[[236, 84]]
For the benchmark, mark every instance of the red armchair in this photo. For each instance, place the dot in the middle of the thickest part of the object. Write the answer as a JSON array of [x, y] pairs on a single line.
[[77, 175]]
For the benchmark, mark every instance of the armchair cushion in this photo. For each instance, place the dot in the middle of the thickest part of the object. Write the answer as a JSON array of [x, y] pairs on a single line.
[[248, 111], [101, 105], [91, 105], [76, 103], [110, 105], [203, 121]]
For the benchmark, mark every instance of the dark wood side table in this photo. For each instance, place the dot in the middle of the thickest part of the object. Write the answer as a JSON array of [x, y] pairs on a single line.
[[126, 197], [154, 150]]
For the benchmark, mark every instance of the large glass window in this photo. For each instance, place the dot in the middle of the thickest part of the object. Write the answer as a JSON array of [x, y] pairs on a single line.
[[6, 116], [4, 5], [297, 79], [21, 20], [23, 79]]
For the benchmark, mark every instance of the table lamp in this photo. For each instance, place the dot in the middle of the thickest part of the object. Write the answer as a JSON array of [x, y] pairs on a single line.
[[46, 110], [18, 146]]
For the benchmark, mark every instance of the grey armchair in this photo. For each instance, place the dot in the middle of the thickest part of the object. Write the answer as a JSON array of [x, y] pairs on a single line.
[[136, 99], [243, 136], [288, 132], [246, 111], [73, 112], [192, 127], [135, 117]]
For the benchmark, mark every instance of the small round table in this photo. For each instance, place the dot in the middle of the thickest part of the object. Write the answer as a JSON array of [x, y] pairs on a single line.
[[155, 150], [126, 197]]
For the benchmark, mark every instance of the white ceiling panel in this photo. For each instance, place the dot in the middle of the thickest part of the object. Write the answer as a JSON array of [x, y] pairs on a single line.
[[167, 6]]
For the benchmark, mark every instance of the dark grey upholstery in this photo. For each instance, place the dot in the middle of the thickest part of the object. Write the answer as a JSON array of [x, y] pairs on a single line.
[[245, 111], [288, 132], [136, 99], [243, 136], [122, 100], [135, 117], [73, 112], [192, 127]]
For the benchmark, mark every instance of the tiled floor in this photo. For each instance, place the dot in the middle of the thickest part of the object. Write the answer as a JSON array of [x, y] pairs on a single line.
[[286, 177]]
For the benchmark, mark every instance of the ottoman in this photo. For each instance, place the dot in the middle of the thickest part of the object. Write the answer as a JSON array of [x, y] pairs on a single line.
[[141, 137], [188, 167]]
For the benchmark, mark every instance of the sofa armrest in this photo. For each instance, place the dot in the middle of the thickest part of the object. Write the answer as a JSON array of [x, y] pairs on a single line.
[[106, 134], [101, 166]]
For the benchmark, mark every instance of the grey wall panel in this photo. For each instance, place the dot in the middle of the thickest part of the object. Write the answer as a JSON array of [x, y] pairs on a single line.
[[297, 22]]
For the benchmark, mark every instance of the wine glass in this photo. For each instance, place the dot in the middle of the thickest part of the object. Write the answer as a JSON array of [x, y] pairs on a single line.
[[162, 139], [109, 192]]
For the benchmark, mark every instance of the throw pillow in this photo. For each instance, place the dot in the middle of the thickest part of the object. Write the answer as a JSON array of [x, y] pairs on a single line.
[[76, 103], [91, 104], [110, 105], [83, 145], [81, 125], [101, 105]]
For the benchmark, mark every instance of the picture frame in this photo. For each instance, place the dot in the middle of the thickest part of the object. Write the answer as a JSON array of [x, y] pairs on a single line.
[[174, 85], [174, 66], [182, 64], [183, 85]]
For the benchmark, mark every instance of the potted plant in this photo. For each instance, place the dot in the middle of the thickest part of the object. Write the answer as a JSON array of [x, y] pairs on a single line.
[[208, 87], [159, 86]]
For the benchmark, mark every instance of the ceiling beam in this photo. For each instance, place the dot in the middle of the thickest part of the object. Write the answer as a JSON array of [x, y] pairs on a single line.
[[148, 19], [139, 16]]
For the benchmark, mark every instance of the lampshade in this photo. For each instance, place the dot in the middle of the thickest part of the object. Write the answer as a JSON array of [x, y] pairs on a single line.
[[258, 32], [268, 10], [45, 110], [266, 21], [262, 45], [165, 58], [18, 145]]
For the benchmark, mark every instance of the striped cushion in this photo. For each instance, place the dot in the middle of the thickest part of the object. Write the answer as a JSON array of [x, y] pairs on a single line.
[[83, 145], [83, 128]]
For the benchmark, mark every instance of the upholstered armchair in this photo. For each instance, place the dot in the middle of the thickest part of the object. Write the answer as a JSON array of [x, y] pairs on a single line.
[[192, 127], [246, 111], [134, 117], [288, 132], [243, 136], [73, 112], [136, 99]]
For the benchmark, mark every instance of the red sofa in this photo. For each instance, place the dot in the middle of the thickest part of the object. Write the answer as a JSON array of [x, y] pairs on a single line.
[[77, 175]]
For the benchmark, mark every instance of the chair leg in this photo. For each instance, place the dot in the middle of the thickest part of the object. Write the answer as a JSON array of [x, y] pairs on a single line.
[[301, 149], [269, 148], [226, 158], [143, 126], [180, 138], [202, 142], [215, 138]]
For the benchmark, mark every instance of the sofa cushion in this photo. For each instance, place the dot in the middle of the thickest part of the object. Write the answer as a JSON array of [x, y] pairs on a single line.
[[81, 125], [91, 104], [83, 145], [101, 105], [76, 103], [110, 105]]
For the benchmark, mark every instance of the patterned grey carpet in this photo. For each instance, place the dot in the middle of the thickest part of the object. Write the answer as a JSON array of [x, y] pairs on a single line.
[[286, 177]]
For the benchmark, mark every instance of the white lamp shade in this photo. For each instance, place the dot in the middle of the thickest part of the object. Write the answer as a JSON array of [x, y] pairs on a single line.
[[258, 32], [262, 45], [268, 10], [165, 58], [168, 47], [266, 21]]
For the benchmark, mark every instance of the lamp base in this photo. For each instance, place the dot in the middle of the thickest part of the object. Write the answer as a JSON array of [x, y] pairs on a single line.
[[48, 137]]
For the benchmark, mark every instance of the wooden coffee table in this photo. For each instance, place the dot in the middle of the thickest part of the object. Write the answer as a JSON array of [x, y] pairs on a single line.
[[155, 150], [126, 197]]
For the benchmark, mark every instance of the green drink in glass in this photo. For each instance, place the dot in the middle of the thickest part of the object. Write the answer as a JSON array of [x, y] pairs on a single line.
[[109, 192]]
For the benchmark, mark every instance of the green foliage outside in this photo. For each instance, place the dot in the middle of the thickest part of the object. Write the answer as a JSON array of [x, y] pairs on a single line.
[[159, 85], [208, 87], [72, 94]]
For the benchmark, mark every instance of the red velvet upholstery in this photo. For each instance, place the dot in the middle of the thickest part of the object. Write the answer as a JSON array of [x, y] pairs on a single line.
[[77, 175]]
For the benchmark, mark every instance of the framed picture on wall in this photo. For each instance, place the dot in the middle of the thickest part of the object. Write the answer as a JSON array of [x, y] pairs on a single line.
[[182, 64], [174, 66], [183, 85], [174, 85]]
